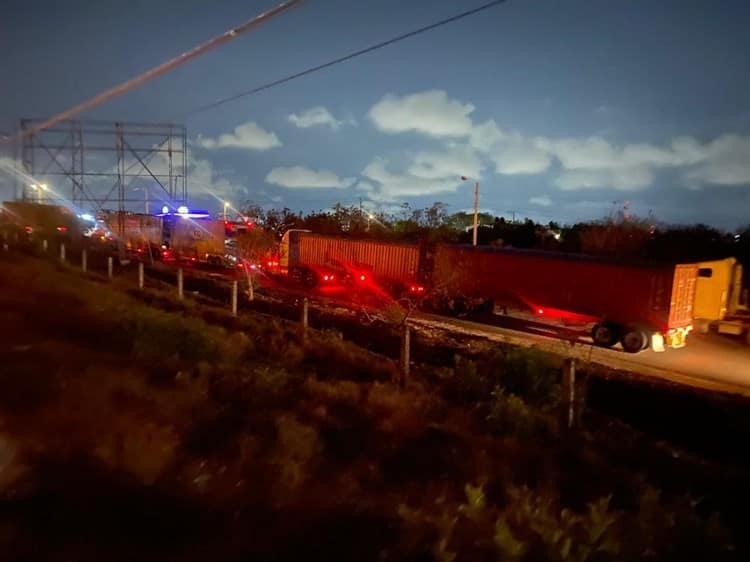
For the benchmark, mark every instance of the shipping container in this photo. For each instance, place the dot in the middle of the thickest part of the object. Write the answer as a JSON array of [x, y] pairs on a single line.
[[626, 302], [395, 267]]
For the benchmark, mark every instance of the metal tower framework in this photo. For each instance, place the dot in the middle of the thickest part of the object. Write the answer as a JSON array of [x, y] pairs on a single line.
[[102, 162]]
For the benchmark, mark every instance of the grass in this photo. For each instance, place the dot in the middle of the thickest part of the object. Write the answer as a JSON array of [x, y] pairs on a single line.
[[214, 425]]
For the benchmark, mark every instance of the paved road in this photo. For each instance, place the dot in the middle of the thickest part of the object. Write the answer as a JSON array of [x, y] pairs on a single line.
[[710, 362]]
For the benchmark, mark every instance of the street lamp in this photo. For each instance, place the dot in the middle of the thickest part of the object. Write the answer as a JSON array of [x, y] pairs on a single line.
[[476, 209], [226, 206], [39, 188]]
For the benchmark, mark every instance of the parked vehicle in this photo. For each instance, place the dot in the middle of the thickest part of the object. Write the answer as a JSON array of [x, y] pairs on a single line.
[[316, 259], [187, 237], [636, 304], [720, 301], [40, 221]]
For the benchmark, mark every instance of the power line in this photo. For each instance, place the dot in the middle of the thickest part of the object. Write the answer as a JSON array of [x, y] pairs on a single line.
[[160, 69], [348, 57]]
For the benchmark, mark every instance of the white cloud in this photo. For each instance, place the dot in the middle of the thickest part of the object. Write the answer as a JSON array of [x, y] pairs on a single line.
[[584, 163], [726, 161], [301, 177], [317, 116], [542, 201], [392, 186], [520, 157], [431, 113], [454, 162], [207, 179], [249, 135], [622, 179], [486, 136], [364, 186]]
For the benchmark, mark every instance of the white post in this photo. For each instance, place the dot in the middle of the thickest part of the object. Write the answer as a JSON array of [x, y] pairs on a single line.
[[140, 275], [569, 393], [110, 267], [84, 264], [180, 292], [234, 298], [305, 305], [44, 245], [405, 353], [476, 212], [62, 252]]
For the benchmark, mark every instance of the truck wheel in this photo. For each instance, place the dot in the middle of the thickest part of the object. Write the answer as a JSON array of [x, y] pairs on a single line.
[[605, 335], [634, 340], [310, 279]]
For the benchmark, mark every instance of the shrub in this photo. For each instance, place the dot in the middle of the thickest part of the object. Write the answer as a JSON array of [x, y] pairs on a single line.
[[510, 415]]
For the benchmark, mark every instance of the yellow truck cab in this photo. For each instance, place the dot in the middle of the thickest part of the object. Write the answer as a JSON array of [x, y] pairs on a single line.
[[719, 302]]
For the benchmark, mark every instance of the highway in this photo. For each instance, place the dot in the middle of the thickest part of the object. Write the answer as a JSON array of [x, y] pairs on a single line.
[[708, 361]]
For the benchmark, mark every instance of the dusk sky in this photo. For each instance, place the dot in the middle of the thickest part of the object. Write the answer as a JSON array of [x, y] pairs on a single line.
[[558, 107]]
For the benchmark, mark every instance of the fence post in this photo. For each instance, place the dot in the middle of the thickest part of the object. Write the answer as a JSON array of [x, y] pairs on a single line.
[[234, 298], [62, 252], [110, 267], [405, 356], [305, 305], [44, 245], [569, 393], [140, 275], [84, 263], [180, 292]]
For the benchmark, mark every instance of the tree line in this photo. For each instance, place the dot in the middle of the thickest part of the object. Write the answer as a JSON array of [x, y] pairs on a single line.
[[618, 235]]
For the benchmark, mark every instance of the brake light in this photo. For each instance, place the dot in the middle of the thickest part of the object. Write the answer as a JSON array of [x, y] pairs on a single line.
[[362, 277], [193, 258], [27, 228], [540, 311], [62, 229], [416, 289]]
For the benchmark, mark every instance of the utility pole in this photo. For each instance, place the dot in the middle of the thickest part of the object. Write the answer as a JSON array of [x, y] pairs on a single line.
[[476, 212], [476, 209], [512, 216]]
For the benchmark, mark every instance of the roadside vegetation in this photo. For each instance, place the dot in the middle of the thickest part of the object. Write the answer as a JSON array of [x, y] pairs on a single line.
[[620, 234], [137, 427]]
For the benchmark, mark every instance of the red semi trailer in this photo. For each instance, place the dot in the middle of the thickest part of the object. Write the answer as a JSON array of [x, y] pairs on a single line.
[[316, 259], [635, 304]]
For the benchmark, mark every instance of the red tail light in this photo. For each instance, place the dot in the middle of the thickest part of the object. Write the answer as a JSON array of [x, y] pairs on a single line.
[[27, 228], [416, 289], [540, 311], [362, 277], [62, 229]]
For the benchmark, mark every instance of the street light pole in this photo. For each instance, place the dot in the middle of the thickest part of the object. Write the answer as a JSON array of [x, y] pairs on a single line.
[[226, 205], [476, 212], [476, 209]]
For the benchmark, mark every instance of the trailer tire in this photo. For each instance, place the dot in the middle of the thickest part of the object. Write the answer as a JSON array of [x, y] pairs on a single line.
[[606, 334], [634, 340]]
